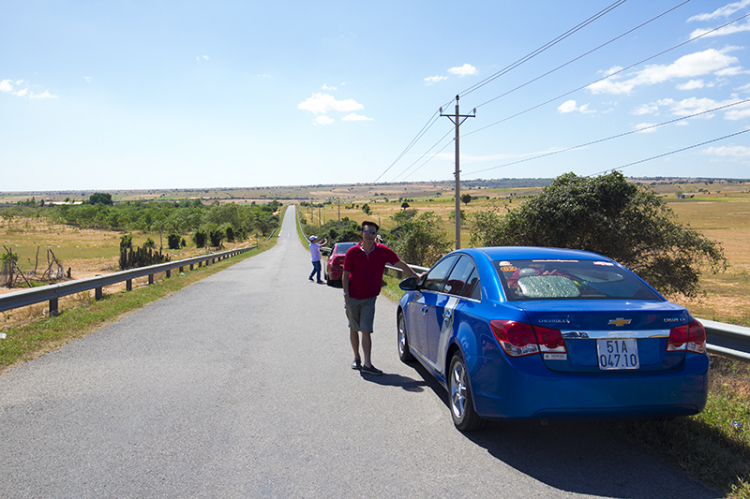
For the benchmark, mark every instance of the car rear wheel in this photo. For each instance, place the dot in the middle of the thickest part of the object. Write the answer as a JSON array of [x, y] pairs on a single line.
[[464, 416], [404, 353]]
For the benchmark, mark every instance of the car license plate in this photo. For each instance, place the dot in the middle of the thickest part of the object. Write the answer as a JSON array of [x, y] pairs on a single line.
[[617, 354]]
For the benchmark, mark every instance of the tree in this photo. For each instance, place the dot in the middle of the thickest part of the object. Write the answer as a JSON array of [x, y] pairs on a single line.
[[366, 208], [612, 217], [466, 199], [101, 198], [173, 241], [404, 205], [420, 241]]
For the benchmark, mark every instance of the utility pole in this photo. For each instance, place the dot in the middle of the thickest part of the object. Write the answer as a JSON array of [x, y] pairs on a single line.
[[457, 119]]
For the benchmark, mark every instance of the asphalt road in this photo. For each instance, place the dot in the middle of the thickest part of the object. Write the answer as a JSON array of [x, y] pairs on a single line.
[[239, 386]]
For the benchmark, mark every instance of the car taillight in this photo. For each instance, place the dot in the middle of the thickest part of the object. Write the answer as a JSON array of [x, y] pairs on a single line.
[[516, 338], [691, 337], [339, 260], [550, 340]]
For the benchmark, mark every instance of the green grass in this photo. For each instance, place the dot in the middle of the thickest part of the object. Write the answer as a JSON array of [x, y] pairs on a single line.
[[707, 446]]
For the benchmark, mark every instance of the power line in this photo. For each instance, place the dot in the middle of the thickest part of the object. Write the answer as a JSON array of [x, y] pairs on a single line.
[[433, 119], [425, 154], [584, 55], [606, 77], [544, 47], [498, 74], [672, 152], [612, 137]]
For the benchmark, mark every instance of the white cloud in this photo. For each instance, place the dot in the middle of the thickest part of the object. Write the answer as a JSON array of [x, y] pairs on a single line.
[[323, 120], [6, 86], [322, 103], [725, 11], [201, 58], [744, 88], [726, 30], [738, 152], [355, 117], [740, 112], [430, 80], [43, 95], [465, 70], [326, 87], [691, 85], [87, 78], [694, 105], [571, 106], [646, 109], [688, 66], [263, 75], [733, 71], [644, 128]]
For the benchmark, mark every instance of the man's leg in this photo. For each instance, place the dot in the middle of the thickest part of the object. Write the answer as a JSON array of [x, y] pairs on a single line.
[[354, 338], [366, 348]]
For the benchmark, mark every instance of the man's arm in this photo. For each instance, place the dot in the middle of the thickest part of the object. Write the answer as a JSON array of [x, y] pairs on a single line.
[[407, 269], [345, 285]]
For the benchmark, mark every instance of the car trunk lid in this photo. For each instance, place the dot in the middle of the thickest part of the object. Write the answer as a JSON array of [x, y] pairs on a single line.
[[613, 336]]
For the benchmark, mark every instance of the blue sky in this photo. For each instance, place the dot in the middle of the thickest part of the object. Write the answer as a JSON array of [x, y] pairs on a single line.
[[184, 94]]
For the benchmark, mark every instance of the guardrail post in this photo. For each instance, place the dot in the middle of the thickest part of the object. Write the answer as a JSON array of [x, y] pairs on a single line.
[[98, 293], [151, 278], [129, 285], [181, 270], [53, 311], [168, 274], [191, 266]]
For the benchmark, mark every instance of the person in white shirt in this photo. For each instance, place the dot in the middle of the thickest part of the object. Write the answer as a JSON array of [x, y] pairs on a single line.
[[315, 257]]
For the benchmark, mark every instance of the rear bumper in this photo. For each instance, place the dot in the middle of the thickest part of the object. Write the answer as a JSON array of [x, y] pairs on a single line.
[[538, 393], [335, 274]]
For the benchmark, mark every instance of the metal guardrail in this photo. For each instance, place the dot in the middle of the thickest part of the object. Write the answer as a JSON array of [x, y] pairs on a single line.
[[727, 339], [53, 292]]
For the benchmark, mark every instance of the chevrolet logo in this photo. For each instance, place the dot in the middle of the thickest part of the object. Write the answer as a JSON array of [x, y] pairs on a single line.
[[619, 322]]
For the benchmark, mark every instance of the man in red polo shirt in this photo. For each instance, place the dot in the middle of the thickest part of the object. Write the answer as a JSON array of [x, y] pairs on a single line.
[[362, 278]]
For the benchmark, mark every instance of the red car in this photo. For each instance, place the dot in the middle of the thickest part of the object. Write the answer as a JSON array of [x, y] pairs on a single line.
[[335, 262]]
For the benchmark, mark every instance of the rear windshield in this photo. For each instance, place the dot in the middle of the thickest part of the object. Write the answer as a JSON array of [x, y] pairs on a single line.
[[570, 279], [343, 247]]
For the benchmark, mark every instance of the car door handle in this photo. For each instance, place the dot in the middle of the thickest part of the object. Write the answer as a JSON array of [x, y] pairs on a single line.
[[424, 310], [447, 314]]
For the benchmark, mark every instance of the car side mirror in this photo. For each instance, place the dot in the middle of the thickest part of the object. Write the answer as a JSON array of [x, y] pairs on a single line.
[[409, 284]]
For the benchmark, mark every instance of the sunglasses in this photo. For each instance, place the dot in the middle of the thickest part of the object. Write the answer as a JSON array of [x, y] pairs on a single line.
[[371, 232]]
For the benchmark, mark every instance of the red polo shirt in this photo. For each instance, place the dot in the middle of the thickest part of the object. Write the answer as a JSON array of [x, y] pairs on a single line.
[[366, 271]]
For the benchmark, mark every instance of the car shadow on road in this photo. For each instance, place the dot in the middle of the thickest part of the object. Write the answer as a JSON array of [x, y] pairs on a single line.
[[579, 457]]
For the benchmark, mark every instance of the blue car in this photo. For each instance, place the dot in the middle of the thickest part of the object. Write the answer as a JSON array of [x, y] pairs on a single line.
[[518, 333]]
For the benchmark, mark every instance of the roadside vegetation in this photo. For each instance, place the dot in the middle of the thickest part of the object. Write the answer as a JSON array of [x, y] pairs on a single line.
[[82, 314]]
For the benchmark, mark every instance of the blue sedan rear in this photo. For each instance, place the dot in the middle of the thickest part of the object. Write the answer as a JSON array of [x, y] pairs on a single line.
[[543, 333]]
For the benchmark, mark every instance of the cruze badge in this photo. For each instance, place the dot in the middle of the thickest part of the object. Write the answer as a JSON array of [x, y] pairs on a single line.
[[618, 322]]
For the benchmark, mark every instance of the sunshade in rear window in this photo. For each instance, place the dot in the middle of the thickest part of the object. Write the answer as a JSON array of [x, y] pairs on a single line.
[[570, 279]]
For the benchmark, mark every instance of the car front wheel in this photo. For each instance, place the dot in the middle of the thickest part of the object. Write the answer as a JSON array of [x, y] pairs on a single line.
[[404, 353], [461, 403]]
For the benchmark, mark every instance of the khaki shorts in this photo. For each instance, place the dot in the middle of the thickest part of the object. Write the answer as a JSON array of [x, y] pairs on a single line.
[[361, 314]]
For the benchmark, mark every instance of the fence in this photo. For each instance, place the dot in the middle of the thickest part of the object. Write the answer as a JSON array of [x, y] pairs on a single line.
[[53, 292]]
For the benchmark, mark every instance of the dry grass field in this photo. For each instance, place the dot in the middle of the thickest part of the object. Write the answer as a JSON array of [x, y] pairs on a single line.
[[86, 252]]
